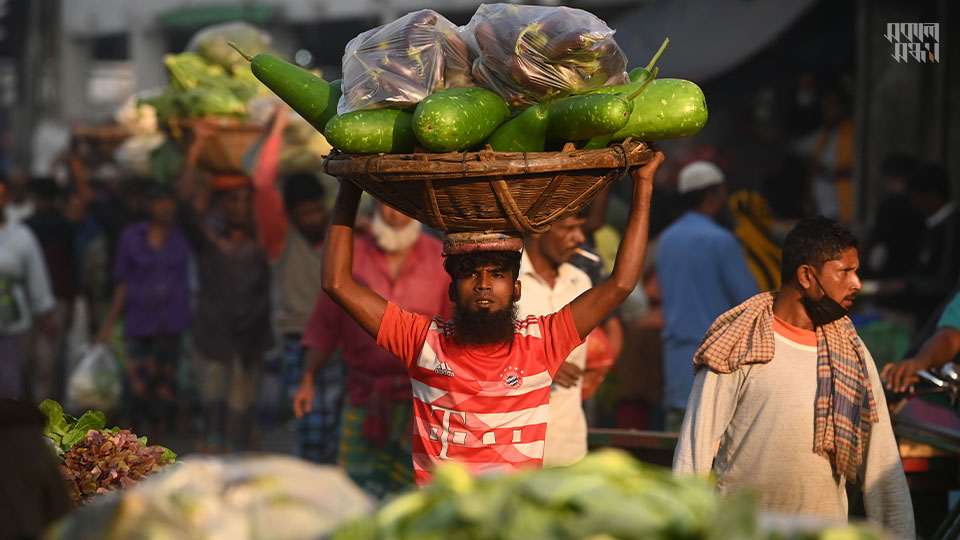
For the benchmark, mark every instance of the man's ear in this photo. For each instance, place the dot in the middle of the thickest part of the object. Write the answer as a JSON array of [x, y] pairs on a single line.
[[805, 276], [452, 292], [516, 291]]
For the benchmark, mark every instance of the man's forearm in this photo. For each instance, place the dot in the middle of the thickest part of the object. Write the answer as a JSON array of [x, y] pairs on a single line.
[[629, 263], [337, 266], [592, 307], [365, 306], [314, 362], [942, 347]]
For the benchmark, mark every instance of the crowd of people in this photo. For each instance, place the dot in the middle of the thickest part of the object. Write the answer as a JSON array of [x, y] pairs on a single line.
[[197, 283]]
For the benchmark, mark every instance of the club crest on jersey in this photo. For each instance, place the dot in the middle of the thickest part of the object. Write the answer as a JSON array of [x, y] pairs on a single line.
[[512, 377], [443, 369]]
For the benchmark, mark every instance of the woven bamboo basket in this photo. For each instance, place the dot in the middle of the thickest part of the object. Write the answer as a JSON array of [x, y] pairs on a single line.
[[96, 144], [487, 190], [224, 151]]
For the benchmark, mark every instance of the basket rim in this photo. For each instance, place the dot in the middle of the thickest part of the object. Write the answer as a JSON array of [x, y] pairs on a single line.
[[483, 163], [223, 123]]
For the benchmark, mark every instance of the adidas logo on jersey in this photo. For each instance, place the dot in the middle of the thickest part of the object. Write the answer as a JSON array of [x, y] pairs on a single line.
[[443, 369]]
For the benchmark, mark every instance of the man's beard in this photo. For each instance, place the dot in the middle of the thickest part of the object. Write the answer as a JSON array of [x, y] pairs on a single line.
[[485, 327], [393, 240]]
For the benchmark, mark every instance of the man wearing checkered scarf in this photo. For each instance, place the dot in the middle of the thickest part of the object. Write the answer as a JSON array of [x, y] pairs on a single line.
[[787, 402]]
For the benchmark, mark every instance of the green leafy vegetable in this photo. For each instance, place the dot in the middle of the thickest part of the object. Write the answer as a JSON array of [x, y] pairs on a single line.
[[64, 429], [200, 87], [605, 496], [91, 420], [56, 426]]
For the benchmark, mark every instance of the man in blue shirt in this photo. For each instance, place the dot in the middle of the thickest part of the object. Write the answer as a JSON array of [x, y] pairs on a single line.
[[702, 273]]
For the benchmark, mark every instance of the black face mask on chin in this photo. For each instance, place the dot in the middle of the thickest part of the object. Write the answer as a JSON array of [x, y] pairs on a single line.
[[823, 311]]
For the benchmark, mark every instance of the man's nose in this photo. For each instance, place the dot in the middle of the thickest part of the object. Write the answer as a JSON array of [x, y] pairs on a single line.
[[483, 282], [579, 237], [857, 285]]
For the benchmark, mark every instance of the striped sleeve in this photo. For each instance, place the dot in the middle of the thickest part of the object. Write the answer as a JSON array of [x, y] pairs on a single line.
[[402, 333], [560, 337]]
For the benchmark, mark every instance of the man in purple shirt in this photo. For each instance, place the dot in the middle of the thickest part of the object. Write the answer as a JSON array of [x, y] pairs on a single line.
[[152, 292]]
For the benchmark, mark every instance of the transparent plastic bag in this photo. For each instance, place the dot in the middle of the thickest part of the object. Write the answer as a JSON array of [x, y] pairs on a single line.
[[529, 53], [96, 381], [398, 64]]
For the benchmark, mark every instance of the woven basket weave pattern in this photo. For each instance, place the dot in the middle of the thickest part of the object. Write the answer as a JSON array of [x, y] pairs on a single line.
[[486, 190], [224, 152]]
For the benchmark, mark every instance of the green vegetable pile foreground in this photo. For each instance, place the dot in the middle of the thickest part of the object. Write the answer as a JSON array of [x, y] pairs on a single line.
[[608, 495]]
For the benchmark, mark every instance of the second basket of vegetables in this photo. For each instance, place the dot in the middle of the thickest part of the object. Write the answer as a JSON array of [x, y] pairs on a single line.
[[508, 123]]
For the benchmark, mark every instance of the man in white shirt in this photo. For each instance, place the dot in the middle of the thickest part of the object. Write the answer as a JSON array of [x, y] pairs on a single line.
[[25, 293], [787, 403], [548, 283]]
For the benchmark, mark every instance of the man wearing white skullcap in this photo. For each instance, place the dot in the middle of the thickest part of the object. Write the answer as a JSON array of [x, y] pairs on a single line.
[[702, 273]]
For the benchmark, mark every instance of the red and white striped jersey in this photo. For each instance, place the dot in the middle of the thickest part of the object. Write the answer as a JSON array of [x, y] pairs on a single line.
[[483, 406]]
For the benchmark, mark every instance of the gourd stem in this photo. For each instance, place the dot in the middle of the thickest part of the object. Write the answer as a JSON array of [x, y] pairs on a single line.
[[653, 61], [243, 54]]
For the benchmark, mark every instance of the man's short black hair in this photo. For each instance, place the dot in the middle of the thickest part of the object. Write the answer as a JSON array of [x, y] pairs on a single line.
[[302, 187], [813, 241], [930, 177], [44, 187], [691, 200], [462, 265]]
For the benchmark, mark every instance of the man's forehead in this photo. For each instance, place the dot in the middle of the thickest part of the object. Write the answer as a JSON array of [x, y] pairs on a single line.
[[489, 268], [849, 257]]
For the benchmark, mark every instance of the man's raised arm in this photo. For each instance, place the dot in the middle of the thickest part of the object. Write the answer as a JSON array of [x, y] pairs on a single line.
[[595, 305], [365, 306]]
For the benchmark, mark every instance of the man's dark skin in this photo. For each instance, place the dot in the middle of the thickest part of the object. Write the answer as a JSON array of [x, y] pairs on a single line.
[[942, 347], [840, 282], [488, 288]]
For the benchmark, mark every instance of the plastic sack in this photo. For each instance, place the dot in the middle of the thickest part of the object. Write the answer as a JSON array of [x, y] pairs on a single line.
[[529, 53], [96, 381], [235, 497], [398, 64], [212, 43]]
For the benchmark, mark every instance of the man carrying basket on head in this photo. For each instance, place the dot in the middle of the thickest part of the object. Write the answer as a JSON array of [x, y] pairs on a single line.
[[481, 381]]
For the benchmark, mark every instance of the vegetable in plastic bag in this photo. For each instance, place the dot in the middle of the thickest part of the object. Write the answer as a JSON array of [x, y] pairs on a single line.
[[211, 43], [96, 381], [398, 64], [240, 498], [529, 53]]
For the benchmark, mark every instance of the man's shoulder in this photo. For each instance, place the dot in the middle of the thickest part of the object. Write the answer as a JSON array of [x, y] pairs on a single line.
[[19, 233], [576, 276]]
